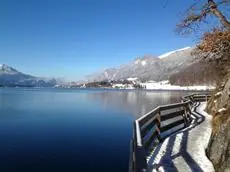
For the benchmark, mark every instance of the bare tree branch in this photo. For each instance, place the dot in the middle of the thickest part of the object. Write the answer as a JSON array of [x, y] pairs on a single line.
[[197, 14]]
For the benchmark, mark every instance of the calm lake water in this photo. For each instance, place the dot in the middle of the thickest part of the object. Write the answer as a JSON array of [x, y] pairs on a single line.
[[70, 130]]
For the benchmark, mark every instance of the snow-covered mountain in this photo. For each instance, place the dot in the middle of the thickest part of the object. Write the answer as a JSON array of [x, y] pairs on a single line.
[[149, 67], [11, 77], [4, 69], [173, 52]]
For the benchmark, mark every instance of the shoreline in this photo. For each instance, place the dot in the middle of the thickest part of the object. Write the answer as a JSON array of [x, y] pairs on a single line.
[[114, 89]]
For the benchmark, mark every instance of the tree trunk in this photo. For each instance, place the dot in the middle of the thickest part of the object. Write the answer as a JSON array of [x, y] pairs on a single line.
[[218, 14]]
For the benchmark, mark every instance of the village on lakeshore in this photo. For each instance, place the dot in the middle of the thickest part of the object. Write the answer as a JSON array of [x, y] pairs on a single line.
[[135, 83]]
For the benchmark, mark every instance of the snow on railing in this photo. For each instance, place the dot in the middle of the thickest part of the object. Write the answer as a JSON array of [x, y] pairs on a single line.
[[150, 129]]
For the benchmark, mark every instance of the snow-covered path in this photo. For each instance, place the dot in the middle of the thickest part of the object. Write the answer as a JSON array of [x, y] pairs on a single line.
[[185, 151]]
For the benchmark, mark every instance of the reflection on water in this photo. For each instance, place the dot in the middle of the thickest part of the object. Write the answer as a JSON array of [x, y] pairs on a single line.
[[136, 102], [71, 129]]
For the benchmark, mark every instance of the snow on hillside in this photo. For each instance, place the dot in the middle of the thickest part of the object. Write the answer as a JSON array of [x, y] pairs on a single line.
[[171, 52], [132, 79], [148, 67], [143, 62]]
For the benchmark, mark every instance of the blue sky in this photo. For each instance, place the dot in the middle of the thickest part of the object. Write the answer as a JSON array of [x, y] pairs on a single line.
[[73, 38]]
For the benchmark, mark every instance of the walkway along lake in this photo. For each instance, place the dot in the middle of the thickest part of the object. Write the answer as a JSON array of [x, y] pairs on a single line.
[[71, 129], [157, 144]]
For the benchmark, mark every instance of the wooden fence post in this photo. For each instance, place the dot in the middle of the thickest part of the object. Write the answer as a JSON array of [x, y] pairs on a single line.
[[190, 112], [158, 126], [141, 163], [185, 116], [139, 154]]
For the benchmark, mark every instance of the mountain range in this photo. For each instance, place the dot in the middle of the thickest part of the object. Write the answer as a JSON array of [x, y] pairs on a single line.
[[149, 67], [11, 77], [179, 67]]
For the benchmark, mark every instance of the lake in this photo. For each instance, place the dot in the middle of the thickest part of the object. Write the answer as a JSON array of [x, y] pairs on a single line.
[[70, 130]]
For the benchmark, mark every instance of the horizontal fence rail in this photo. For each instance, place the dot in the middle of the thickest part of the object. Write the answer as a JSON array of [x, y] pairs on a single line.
[[152, 128]]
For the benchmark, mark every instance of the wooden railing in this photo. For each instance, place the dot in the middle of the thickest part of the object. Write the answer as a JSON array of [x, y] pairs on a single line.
[[152, 128]]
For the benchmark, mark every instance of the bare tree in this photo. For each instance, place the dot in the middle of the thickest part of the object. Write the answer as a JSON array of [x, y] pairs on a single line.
[[214, 45], [198, 13]]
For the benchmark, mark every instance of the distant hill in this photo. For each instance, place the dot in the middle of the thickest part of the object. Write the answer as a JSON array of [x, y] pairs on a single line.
[[11, 77], [148, 67], [168, 66]]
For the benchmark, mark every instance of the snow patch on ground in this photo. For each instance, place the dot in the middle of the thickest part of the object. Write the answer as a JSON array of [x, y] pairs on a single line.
[[165, 85], [222, 110], [218, 94]]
